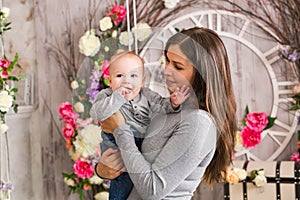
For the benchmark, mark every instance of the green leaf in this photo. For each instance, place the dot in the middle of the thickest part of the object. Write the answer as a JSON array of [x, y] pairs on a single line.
[[246, 110], [271, 121], [14, 90]]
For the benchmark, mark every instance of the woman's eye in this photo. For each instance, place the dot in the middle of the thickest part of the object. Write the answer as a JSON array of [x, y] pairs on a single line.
[[178, 67]]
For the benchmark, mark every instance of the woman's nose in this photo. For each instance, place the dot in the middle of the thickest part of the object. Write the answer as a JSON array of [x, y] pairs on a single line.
[[168, 70]]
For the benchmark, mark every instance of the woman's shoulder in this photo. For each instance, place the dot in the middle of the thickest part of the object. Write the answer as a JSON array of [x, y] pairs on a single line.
[[198, 114]]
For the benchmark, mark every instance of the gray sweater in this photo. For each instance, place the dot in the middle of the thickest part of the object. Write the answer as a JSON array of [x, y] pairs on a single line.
[[175, 153]]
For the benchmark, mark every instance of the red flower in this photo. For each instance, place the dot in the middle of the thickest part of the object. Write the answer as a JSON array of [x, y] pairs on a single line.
[[4, 63], [4, 74], [68, 131], [105, 69], [66, 113], [117, 14], [83, 169], [250, 137], [257, 121]]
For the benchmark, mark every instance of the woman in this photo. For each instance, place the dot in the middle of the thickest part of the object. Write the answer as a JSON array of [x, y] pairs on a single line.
[[181, 149]]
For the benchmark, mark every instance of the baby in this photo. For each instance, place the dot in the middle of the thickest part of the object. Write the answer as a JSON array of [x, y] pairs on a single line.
[[136, 103]]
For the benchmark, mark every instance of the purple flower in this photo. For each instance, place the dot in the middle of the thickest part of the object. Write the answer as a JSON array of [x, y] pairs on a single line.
[[6, 187], [293, 57]]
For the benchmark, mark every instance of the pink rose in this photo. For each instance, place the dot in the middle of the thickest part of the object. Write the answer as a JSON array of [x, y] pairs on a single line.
[[257, 121], [83, 169], [250, 137], [105, 69], [4, 63], [4, 74], [295, 157], [66, 112], [68, 131]]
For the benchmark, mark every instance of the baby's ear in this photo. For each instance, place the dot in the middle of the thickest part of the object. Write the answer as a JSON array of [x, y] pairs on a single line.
[[143, 82], [109, 80]]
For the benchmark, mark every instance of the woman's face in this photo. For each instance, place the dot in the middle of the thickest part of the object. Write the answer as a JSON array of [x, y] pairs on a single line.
[[179, 70]]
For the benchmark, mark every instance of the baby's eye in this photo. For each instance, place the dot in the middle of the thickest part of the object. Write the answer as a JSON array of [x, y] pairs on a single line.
[[134, 75], [119, 75]]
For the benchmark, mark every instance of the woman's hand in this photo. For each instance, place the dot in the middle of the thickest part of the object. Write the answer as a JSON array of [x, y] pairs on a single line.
[[110, 164], [112, 122]]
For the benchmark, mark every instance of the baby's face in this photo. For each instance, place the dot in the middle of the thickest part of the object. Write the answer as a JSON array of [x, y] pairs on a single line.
[[127, 72]]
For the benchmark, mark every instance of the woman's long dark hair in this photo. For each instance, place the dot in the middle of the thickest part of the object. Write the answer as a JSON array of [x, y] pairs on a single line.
[[212, 85]]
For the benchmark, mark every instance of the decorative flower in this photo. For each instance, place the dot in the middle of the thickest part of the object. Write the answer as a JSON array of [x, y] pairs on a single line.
[[96, 180], [105, 23], [87, 141], [83, 169], [89, 43], [105, 69], [6, 101], [232, 178], [258, 177], [101, 196], [69, 182], [66, 112], [4, 63], [68, 131], [74, 85], [116, 13], [250, 137], [126, 38], [249, 134], [79, 107], [171, 3], [143, 31], [257, 121]]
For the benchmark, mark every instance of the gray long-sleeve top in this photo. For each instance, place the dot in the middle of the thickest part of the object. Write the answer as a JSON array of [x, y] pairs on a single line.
[[137, 112], [175, 153]]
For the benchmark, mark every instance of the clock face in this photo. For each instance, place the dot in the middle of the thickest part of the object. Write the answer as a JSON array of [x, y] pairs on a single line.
[[261, 79]]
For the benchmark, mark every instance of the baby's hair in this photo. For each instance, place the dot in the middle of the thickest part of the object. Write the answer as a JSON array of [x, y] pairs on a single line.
[[120, 54]]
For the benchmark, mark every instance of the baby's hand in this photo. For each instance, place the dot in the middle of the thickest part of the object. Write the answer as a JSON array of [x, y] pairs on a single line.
[[179, 96], [124, 91]]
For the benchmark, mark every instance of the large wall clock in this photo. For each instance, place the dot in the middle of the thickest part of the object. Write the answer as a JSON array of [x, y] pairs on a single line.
[[261, 79]]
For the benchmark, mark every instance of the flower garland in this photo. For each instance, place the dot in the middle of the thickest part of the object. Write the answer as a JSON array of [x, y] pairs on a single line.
[[7, 101], [82, 136]]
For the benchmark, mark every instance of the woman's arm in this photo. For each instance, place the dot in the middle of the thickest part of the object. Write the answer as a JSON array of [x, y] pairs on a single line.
[[192, 140]]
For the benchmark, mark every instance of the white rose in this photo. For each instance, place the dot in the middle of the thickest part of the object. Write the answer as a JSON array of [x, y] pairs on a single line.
[[89, 43], [260, 180], [95, 180], [143, 31], [91, 134], [69, 182], [261, 172], [106, 48], [171, 3], [105, 24], [74, 85], [5, 101], [5, 12], [114, 34], [101, 196], [126, 39], [3, 128], [241, 173], [79, 107]]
